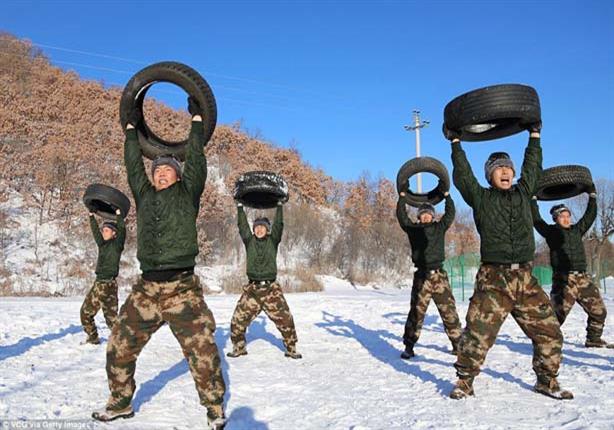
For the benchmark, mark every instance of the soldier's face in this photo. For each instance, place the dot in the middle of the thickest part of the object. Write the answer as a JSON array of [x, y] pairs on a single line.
[[260, 231], [108, 233], [425, 218], [564, 219], [502, 178], [164, 176]]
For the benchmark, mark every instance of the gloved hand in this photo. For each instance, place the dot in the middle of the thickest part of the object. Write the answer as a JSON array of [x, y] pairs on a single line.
[[193, 107], [592, 191], [135, 117], [534, 127], [451, 134], [280, 203]]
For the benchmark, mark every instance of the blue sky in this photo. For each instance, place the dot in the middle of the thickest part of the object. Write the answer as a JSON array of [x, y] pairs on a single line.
[[338, 80]]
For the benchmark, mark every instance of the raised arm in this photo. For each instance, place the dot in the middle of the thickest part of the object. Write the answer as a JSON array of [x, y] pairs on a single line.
[[590, 214], [540, 225], [404, 221], [121, 228], [96, 230], [450, 211], [278, 225], [133, 158], [532, 163], [244, 230], [463, 176], [195, 167]]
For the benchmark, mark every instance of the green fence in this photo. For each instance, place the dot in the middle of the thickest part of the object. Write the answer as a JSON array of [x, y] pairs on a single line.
[[463, 268], [543, 274], [461, 273], [604, 273]]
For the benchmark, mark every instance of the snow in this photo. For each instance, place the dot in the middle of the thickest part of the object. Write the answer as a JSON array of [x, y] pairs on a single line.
[[351, 376]]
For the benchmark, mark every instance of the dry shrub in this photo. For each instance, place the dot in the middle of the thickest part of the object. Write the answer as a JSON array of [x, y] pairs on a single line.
[[233, 283], [5, 283], [302, 280], [76, 268]]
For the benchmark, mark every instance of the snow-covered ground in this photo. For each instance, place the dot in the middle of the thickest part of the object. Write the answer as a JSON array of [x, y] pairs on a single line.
[[351, 376]]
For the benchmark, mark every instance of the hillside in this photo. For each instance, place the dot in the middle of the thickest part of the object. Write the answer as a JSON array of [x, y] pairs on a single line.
[[59, 133]]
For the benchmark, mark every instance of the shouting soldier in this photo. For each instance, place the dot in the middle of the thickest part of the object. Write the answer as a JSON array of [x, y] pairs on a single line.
[[504, 283], [168, 290]]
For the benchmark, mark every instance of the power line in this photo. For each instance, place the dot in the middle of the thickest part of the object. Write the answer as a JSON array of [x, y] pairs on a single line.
[[155, 90], [223, 76], [92, 54]]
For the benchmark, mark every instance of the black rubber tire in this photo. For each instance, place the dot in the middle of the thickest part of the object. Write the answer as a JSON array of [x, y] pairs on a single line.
[[179, 74], [507, 107], [105, 200], [423, 165], [563, 182], [260, 189]]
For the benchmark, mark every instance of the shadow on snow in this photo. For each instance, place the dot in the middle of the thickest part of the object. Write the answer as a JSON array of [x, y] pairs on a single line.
[[376, 343], [149, 389], [240, 418], [26, 343]]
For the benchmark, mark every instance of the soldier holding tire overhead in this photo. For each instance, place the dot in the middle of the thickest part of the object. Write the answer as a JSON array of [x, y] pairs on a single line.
[[262, 292], [427, 240], [103, 294], [502, 213], [570, 281], [112, 205], [168, 291]]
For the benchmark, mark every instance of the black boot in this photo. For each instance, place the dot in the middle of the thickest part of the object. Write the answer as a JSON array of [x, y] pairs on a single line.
[[236, 352], [291, 352], [549, 386], [408, 353], [463, 388], [597, 343]]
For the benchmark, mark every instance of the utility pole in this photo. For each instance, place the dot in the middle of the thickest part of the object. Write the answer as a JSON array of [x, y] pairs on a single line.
[[416, 127]]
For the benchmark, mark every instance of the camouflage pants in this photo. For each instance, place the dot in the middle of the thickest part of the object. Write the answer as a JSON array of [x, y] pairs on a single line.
[[103, 294], [436, 286], [180, 304], [498, 292], [254, 299], [572, 288]]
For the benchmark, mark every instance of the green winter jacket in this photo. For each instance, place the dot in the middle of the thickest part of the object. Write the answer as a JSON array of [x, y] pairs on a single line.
[[166, 219], [566, 248], [427, 241], [503, 218], [109, 251], [261, 253]]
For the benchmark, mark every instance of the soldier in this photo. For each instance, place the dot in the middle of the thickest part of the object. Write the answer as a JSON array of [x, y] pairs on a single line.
[[427, 238], [504, 283], [262, 292], [168, 290], [103, 293], [570, 282]]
